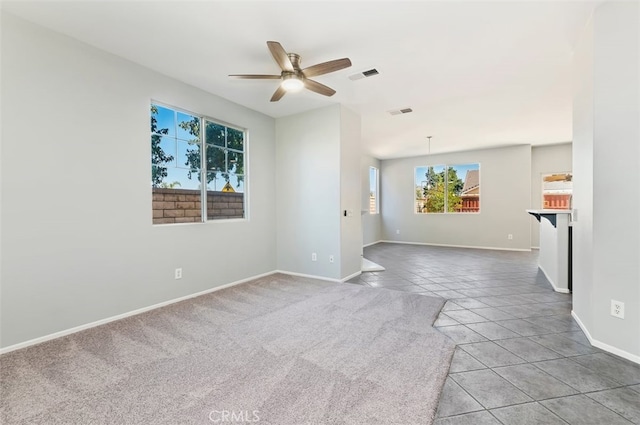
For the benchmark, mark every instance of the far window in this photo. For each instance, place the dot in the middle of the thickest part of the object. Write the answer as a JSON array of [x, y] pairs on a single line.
[[374, 189], [194, 173], [447, 189], [557, 189]]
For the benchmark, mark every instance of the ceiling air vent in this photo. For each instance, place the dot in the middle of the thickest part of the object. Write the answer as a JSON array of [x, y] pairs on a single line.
[[401, 111], [371, 72], [364, 74]]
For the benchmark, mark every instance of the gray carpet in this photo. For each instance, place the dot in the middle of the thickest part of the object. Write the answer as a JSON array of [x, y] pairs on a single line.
[[278, 350]]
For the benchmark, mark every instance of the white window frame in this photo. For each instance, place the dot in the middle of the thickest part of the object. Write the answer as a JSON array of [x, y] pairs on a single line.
[[377, 190], [203, 164]]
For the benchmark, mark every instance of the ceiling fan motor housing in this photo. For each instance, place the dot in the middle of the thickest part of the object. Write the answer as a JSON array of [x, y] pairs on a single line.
[[295, 60]]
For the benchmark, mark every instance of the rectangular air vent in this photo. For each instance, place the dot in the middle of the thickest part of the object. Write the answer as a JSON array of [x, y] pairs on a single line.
[[401, 111], [371, 72], [364, 74]]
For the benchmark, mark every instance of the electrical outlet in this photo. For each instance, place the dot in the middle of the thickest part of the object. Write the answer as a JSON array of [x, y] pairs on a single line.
[[617, 309], [331, 258], [398, 232], [509, 236], [314, 257], [178, 273]]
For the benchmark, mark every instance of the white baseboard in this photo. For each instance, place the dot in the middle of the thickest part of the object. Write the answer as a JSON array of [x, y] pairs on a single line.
[[124, 315], [553, 284], [459, 246], [351, 276], [537, 248], [370, 266], [372, 243], [310, 276], [606, 347]]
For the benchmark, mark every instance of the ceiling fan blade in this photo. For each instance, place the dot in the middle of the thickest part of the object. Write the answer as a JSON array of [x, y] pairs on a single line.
[[280, 55], [326, 67], [255, 77], [277, 95], [319, 88]]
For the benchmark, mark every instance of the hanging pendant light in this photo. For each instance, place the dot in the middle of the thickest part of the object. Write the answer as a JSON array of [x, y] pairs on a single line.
[[429, 153]]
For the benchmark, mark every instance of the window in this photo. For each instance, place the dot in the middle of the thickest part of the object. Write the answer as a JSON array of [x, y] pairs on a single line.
[[557, 189], [183, 156], [374, 189], [447, 188]]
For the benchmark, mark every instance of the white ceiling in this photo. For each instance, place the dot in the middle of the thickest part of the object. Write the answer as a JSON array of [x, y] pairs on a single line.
[[476, 73]]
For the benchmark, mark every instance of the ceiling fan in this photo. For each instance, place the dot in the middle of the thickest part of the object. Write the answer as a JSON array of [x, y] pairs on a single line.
[[295, 78]]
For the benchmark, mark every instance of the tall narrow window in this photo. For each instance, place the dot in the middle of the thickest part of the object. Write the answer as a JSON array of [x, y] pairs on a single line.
[[374, 190], [182, 157]]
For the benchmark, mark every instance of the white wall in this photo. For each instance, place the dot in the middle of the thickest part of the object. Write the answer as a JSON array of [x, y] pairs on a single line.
[[308, 195], [616, 231], [545, 160], [350, 194], [505, 194], [318, 178], [582, 151], [609, 248], [75, 138], [371, 223]]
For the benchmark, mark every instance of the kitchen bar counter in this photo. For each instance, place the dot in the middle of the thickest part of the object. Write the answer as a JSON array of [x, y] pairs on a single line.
[[553, 259]]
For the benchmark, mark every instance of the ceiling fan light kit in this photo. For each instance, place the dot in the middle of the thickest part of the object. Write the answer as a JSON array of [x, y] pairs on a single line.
[[293, 78], [292, 83]]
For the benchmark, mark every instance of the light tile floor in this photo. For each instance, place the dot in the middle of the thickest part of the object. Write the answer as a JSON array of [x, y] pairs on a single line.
[[520, 356]]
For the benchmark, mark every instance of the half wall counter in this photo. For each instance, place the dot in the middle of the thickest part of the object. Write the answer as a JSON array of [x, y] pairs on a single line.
[[554, 258]]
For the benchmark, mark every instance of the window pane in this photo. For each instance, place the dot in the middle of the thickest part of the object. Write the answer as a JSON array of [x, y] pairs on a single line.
[[235, 162], [429, 187], [225, 200], [169, 150], [225, 205], [373, 190], [237, 182], [215, 134], [163, 120], [216, 159], [215, 181], [158, 174], [188, 127], [181, 178], [235, 139], [162, 156], [465, 193], [454, 187], [175, 203], [188, 155], [162, 150]]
